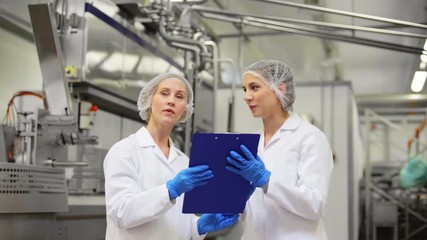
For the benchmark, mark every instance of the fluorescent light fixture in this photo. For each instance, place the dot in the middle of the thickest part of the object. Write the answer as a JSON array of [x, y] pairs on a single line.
[[120, 62], [94, 57], [108, 8], [152, 65], [425, 45], [423, 65], [423, 57], [418, 81]]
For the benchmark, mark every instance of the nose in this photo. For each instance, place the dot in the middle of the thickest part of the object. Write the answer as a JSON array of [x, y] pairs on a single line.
[[248, 96], [171, 100]]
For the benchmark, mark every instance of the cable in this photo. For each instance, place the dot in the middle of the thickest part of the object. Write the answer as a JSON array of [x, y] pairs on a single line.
[[11, 109]]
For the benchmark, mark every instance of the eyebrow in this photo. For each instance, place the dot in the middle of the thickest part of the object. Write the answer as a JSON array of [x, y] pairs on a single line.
[[252, 83], [167, 88], [183, 92]]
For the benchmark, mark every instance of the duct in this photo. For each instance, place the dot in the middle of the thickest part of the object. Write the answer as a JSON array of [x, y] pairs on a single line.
[[346, 13]]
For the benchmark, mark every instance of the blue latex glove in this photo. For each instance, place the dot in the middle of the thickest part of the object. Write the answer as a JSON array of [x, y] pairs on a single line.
[[250, 168], [213, 222], [188, 179]]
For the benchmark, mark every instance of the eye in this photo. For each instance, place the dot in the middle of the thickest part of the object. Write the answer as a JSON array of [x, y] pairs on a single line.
[[164, 93], [254, 87], [180, 96], [244, 89]]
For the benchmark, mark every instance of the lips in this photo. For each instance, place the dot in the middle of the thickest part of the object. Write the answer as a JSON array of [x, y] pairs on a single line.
[[252, 107], [169, 111]]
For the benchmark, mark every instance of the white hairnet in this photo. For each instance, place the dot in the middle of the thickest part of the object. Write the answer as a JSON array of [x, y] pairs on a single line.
[[147, 92], [274, 72]]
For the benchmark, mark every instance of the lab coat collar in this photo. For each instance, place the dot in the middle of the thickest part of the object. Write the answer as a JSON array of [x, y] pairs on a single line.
[[146, 140], [292, 123]]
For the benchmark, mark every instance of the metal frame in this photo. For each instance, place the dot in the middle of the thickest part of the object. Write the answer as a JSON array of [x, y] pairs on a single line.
[[50, 58]]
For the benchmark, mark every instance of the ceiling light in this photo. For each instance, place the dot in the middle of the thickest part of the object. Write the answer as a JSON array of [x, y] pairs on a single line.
[[93, 58], [120, 62], [152, 65], [108, 8], [418, 81]]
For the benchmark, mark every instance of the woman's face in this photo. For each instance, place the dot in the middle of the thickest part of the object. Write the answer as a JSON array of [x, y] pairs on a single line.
[[260, 98], [169, 102]]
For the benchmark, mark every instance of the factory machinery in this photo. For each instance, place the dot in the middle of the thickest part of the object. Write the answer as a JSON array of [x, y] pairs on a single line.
[[394, 204], [51, 175]]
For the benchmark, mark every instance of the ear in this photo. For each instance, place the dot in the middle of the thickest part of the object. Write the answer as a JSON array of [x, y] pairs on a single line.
[[282, 87], [184, 114]]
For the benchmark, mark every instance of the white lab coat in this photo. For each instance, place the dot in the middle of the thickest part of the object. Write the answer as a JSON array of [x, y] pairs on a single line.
[[300, 160], [137, 200]]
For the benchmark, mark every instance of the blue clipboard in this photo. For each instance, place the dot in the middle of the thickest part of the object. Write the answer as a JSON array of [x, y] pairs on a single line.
[[226, 192]]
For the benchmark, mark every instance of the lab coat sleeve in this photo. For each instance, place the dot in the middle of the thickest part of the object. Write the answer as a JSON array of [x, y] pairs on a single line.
[[307, 196], [194, 232], [127, 204]]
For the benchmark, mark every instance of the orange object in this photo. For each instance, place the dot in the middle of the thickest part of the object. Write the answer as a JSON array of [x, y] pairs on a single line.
[[94, 108]]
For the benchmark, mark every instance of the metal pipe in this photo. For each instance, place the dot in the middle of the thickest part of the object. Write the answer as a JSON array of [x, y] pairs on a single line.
[[185, 22], [230, 124], [191, 48], [221, 6], [184, 43], [342, 26], [317, 33], [189, 125], [121, 84], [54, 163], [190, 1], [215, 75], [367, 175], [347, 13], [309, 22], [324, 34]]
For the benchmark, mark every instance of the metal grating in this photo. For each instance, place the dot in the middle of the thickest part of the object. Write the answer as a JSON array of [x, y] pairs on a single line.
[[27, 188]]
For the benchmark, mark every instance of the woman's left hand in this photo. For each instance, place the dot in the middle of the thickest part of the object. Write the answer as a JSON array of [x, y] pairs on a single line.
[[251, 168]]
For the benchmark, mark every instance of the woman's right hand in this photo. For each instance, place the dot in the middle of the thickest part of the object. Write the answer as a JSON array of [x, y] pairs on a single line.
[[188, 179]]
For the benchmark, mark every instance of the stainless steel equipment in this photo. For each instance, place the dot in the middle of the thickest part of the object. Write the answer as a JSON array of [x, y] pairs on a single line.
[[7, 135]]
